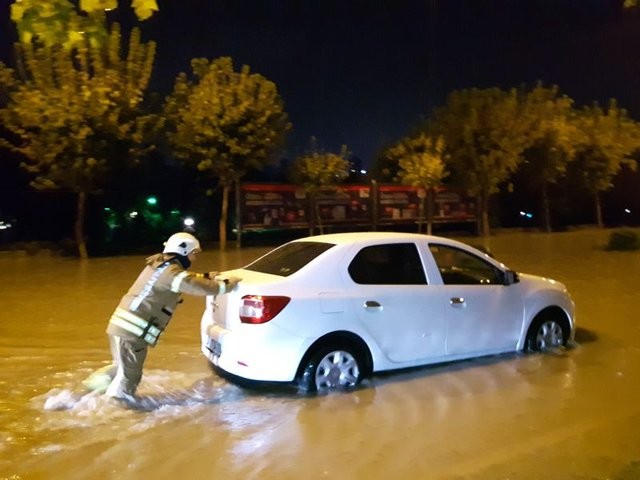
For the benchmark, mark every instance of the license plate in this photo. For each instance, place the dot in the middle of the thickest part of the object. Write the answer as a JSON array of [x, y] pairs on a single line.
[[214, 347]]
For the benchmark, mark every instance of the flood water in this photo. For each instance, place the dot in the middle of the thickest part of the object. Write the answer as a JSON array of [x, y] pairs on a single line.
[[573, 415]]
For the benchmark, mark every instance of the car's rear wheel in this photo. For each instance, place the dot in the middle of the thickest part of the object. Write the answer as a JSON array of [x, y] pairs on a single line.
[[546, 333], [331, 368]]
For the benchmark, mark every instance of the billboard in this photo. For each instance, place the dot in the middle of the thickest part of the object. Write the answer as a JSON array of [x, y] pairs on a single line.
[[271, 206], [402, 204], [345, 204]]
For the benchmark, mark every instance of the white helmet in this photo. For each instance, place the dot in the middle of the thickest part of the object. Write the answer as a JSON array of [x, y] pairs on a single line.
[[182, 243]]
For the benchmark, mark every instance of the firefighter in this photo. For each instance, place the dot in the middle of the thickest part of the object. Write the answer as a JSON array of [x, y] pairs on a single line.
[[144, 312]]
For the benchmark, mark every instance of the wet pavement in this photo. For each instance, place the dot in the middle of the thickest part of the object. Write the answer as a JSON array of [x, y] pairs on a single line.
[[571, 415]]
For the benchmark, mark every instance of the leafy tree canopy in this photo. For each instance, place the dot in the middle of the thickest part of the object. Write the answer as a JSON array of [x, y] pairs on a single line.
[[67, 109], [225, 122], [610, 137], [485, 132], [69, 23], [316, 170], [555, 133], [420, 160], [74, 114]]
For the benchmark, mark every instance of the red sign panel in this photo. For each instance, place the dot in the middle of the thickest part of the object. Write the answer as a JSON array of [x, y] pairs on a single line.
[[265, 206]]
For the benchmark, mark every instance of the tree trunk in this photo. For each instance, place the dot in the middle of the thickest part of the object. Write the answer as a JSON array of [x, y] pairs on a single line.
[[479, 214], [311, 208], [430, 201], [484, 211], [318, 217], [238, 215], [222, 225], [78, 228], [421, 215], [598, 210], [546, 209]]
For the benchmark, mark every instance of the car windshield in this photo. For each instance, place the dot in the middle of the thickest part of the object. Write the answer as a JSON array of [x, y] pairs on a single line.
[[289, 258]]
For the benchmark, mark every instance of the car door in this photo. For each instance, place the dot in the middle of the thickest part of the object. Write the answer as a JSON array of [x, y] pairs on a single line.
[[483, 314], [394, 303]]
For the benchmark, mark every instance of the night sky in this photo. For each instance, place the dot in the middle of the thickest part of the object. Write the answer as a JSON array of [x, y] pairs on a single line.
[[363, 72]]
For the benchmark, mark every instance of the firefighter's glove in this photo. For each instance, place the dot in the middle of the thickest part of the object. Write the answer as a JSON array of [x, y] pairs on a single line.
[[226, 284]]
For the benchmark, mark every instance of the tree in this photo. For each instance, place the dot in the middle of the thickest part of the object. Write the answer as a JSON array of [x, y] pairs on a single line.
[[66, 23], [225, 123], [74, 114], [385, 165], [421, 164], [485, 133], [610, 137], [556, 133], [318, 171]]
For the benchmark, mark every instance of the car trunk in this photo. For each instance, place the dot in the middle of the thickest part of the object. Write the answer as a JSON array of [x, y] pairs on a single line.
[[226, 307]]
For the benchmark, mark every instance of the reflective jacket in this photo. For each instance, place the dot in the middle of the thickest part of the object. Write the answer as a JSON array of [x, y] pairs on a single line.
[[144, 312]]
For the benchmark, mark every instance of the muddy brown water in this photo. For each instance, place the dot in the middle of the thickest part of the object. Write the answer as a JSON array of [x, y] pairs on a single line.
[[573, 415]]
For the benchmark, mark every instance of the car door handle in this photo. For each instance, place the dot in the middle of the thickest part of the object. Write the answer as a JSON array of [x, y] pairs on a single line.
[[372, 305], [456, 300]]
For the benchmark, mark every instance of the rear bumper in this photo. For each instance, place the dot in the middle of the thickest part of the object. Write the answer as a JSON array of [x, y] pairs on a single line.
[[254, 352]]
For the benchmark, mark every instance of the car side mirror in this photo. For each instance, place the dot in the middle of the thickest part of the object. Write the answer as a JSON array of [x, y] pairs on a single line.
[[510, 277]]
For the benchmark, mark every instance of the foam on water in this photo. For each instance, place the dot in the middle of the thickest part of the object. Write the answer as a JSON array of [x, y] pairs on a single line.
[[162, 394], [63, 399]]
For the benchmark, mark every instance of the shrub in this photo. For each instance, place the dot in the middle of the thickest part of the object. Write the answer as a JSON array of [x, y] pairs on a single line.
[[625, 239]]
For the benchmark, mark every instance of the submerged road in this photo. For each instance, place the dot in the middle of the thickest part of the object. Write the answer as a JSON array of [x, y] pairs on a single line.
[[573, 415]]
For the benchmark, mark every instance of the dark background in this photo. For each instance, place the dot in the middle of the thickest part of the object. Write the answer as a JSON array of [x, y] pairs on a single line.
[[364, 72]]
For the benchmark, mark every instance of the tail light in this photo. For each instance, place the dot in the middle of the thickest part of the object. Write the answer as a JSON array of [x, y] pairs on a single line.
[[257, 309]]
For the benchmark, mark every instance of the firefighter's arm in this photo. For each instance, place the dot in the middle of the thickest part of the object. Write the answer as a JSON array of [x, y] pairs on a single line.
[[202, 284]]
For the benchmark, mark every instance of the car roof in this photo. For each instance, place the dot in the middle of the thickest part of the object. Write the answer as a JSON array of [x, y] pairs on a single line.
[[360, 237], [344, 240]]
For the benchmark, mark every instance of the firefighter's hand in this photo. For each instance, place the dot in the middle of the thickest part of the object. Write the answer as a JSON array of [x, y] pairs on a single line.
[[232, 282], [227, 284]]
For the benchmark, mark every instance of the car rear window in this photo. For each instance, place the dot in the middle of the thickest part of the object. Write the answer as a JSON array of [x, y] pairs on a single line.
[[289, 258]]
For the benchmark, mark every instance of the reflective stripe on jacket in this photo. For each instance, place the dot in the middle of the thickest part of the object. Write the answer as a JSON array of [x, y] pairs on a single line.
[[138, 326], [144, 312]]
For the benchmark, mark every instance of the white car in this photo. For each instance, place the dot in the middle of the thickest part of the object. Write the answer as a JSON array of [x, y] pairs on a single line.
[[327, 311]]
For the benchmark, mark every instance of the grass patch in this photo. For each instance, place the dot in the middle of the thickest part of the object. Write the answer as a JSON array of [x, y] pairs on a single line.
[[623, 239]]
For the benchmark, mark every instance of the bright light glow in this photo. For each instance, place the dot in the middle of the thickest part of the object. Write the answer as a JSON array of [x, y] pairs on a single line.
[[133, 214], [627, 210], [189, 222], [5, 226], [152, 200], [526, 214], [363, 172]]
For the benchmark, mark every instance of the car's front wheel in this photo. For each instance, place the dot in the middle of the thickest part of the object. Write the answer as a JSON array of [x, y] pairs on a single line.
[[331, 368], [546, 333]]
